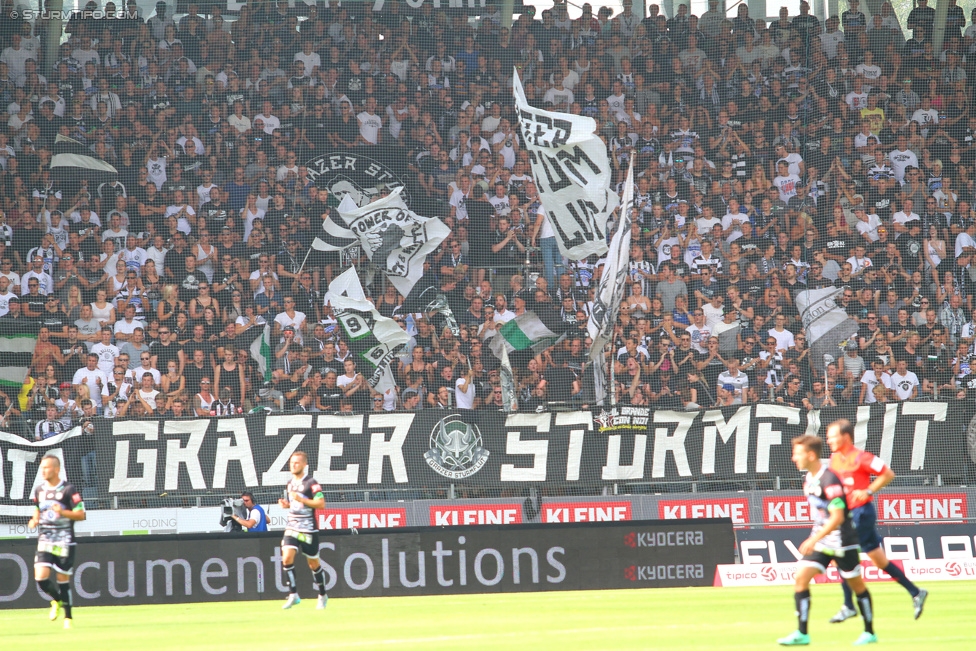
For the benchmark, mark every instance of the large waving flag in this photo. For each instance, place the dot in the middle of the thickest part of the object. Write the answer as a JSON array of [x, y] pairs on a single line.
[[571, 168], [374, 340], [826, 323], [394, 238], [610, 290], [18, 337], [72, 160]]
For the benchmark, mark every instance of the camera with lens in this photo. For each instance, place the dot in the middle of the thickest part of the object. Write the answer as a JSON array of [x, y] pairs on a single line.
[[228, 509]]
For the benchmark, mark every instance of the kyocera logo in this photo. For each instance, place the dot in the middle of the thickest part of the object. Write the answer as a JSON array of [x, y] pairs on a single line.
[[664, 572], [768, 573], [665, 538], [953, 569]]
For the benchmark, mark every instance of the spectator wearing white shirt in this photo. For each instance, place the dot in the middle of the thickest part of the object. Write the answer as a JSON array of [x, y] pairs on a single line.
[[965, 241], [106, 351], [465, 391], [559, 97], [92, 377], [925, 116], [859, 261], [36, 272], [308, 57], [269, 121], [902, 157], [146, 391], [867, 225], [900, 219], [784, 338], [904, 382], [238, 120], [732, 220], [370, 124], [873, 378]]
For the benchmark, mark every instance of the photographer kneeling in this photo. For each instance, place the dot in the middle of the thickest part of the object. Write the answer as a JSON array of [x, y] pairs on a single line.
[[257, 519]]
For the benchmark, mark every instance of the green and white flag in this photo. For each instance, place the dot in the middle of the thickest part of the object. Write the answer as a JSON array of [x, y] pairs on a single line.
[[523, 332], [17, 340], [262, 353]]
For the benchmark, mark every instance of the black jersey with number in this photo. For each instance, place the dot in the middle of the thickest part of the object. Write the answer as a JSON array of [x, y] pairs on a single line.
[[825, 492], [53, 527], [300, 517]]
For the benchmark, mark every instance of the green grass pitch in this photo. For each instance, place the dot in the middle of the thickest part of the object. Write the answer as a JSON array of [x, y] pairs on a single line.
[[673, 619]]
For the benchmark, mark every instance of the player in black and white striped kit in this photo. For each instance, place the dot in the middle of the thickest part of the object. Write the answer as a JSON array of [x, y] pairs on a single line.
[[302, 496], [58, 506]]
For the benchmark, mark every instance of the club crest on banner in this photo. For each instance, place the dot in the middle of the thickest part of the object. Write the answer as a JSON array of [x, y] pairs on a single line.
[[360, 178], [456, 449]]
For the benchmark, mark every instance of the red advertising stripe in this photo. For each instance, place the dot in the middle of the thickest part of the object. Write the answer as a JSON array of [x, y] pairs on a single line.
[[736, 508], [361, 518], [586, 512], [921, 507], [452, 516], [786, 511]]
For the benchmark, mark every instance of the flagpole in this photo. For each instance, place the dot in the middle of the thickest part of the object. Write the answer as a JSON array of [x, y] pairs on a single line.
[[613, 377], [307, 253]]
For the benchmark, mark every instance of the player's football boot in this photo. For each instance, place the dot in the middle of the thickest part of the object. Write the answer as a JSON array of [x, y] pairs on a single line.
[[866, 638], [67, 624], [843, 615], [323, 602], [919, 602], [796, 638], [55, 610], [292, 600]]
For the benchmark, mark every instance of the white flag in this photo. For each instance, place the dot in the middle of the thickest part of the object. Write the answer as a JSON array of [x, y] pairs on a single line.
[[827, 324], [610, 290], [394, 238], [573, 174]]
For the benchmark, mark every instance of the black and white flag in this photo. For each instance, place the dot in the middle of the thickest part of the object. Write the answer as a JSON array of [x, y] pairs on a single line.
[[610, 290], [374, 340], [334, 237], [396, 239], [73, 160], [573, 173]]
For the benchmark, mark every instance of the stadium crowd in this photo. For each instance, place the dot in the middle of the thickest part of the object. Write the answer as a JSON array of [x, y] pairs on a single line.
[[770, 158]]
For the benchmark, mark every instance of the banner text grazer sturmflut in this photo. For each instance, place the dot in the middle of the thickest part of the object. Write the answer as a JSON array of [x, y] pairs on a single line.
[[485, 450], [420, 561]]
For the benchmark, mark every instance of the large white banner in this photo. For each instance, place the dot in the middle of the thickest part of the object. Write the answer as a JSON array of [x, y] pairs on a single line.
[[573, 173], [610, 290], [394, 238]]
